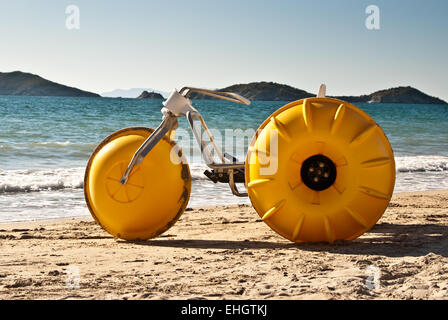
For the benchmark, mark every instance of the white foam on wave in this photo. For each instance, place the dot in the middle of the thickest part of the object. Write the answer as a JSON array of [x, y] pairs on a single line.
[[421, 163], [197, 171], [54, 143], [14, 181]]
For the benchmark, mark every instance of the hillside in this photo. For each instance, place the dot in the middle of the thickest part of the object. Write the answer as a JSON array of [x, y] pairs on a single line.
[[408, 95], [270, 91], [263, 91], [26, 84]]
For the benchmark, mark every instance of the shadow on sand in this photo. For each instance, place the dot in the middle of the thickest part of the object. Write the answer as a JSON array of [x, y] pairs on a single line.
[[392, 240]]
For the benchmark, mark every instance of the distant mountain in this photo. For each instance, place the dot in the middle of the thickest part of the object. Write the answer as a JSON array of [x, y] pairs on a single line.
[[263, 91], [396, 95], [26, 84], [271, 91], [131, 93], [150, 95]]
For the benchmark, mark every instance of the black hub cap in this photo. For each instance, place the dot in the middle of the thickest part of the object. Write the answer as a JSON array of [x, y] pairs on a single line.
[[318, 172]]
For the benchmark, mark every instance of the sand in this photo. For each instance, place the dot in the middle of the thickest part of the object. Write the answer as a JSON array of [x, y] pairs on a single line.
[[229, 253]]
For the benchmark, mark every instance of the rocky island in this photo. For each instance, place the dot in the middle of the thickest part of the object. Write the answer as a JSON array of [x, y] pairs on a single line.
[[263, 91], [26, 84], [150, 95], [408, 95]]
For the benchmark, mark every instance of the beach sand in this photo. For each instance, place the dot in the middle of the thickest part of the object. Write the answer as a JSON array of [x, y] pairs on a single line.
[[228, 253]]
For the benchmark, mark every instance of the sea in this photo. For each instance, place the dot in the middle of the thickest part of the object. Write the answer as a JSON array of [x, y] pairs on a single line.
[[45, 143]]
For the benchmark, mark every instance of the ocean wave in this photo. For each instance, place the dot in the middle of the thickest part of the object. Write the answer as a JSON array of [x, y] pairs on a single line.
[[197, 171], [52, 143], [47, 145], [14, 181], [5, 147], [421, 163]]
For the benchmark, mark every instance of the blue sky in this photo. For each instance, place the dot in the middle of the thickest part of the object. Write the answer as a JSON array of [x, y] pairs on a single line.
[[166, 44]]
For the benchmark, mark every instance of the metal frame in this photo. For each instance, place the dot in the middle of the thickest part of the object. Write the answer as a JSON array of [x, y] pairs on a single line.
[[178, 105]]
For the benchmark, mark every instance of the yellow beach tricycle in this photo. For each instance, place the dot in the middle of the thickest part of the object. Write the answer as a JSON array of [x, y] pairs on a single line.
[[318, 169]]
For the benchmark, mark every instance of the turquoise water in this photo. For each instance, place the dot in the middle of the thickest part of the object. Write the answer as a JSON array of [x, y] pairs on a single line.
[[46, 141]]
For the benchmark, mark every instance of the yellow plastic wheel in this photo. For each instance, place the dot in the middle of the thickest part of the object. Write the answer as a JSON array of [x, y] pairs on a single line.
[[157, 191], [320, 169]]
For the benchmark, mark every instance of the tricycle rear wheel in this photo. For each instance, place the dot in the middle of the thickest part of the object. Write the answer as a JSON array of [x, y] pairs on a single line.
[[320, 169]]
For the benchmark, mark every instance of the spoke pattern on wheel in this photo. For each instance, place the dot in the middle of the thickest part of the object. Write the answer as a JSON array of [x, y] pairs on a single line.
[[377, 162], [342, 161], [298, 227], [337, 120], [114, 194], [127, 183], [329, 230], [357, 217], [338, 187], [374, 193], [296, 157], [294, 183], [364, 135], [281, 129], [307, 116], [316, 198], [128, 192], [273, 210], [258, 182], [320, 147]]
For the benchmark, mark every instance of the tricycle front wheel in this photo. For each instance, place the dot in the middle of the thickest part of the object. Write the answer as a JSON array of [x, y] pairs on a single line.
[[155, 195]]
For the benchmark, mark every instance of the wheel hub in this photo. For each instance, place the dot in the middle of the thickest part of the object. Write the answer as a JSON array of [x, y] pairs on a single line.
[[318, 172]]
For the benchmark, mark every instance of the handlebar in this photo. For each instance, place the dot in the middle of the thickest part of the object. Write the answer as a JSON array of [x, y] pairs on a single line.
[[230, 96]]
